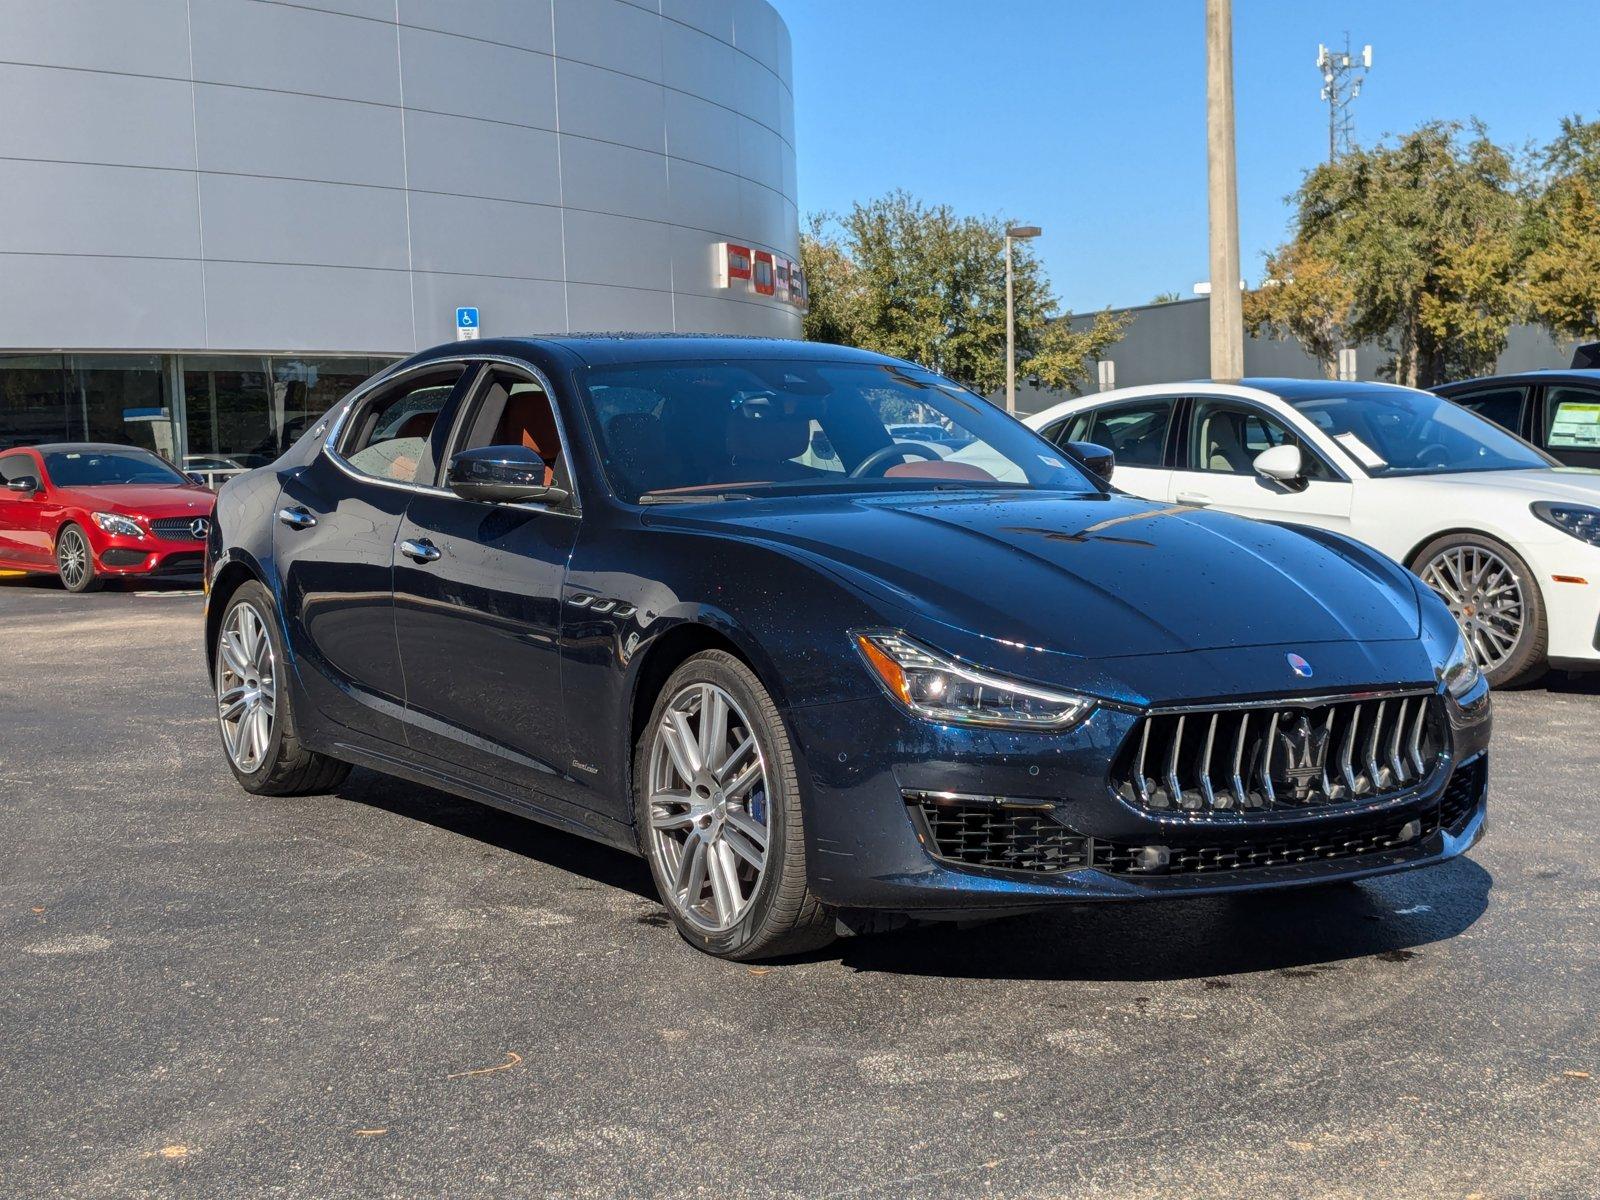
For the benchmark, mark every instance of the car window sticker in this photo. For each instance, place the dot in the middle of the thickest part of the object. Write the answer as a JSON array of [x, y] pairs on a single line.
[[1364, 454]]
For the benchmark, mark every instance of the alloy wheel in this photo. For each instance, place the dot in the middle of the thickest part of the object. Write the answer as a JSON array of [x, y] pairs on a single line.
[[72, 559], [709, 809], [246, 687], [1485, 597]]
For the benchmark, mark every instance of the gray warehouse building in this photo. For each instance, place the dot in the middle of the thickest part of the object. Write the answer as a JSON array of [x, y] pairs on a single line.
[[217, 216]]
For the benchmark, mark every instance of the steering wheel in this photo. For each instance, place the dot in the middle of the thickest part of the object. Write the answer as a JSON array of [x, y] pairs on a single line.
[[1432, 447], [880, 459]]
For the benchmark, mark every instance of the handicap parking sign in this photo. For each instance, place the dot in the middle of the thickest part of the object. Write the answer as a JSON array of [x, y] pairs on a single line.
[[466, 324]]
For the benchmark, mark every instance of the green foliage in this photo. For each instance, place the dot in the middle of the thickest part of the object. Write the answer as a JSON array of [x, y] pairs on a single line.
[[1413, 244], [1165, 298], [1562, 234], [925, 284]]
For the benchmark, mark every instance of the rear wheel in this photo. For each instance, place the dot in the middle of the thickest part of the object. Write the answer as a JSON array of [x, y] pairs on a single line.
[[1494, 597], [255, 711], [75, 560], [718, 806]]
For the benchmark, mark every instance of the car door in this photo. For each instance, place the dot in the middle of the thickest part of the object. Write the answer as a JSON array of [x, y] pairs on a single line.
[[1216, 468], [1505, 405], [478, 601], [1137, 432], [334, 532], [24, 540], [1570, 429]]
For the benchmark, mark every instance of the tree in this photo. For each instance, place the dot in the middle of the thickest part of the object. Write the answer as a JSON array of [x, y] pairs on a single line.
[[1561, 271], [925, 284], [1305, 295], [1166, 298], [1423, 234]]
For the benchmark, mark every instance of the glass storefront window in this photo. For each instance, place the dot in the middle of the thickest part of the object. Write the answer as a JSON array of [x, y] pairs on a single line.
[[241, 410], [33, 399], [121, 399], [244, 412]]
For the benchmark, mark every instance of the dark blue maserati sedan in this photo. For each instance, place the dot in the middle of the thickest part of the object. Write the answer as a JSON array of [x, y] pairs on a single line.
[[692, 598]]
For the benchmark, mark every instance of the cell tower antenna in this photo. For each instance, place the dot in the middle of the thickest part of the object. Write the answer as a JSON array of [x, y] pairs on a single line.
[[1342, 75]]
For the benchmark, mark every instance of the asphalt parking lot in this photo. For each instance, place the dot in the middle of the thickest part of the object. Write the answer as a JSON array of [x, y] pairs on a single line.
[[391, 992]]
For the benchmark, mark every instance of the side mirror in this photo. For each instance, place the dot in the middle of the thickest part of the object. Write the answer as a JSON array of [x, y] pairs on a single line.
[[1100, 461], [501, 475], [196, 477], [1282, 464], [26, 484]]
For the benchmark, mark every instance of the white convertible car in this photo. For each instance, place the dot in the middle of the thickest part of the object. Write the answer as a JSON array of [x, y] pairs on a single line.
[[1507, 537]]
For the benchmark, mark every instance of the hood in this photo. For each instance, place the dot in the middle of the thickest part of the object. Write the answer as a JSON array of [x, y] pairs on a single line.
[[1580, 485], [152, 500], [1094, 577]]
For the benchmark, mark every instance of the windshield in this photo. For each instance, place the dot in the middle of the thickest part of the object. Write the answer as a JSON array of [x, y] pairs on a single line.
[[1395, 431], [697, 430], [88, 468]]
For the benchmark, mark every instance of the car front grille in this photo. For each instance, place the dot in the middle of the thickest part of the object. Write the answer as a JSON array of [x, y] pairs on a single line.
[[176, 529], [1290, 755], [1026, 837], [187, 563]]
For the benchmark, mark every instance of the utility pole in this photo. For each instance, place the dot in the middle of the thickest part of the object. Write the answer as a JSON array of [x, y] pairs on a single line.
[[1222, 178], [1342, 76]]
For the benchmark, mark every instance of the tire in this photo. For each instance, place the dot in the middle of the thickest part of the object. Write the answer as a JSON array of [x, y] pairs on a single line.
[[249, 650], [774, 913], [75, 559], [1523, 662]]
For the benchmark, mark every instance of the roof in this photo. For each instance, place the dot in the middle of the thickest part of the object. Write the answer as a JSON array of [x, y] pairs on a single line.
[[1543, 375], [621, 348], [78, 447]]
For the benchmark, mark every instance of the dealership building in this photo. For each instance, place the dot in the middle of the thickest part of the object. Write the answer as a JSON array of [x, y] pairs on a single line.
[[217, 216]]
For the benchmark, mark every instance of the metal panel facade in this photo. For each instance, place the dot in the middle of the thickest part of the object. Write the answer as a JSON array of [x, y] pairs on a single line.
[[338, 175]]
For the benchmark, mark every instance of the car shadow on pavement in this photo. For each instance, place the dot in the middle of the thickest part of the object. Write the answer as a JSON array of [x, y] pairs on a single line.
[[1307, 930], [516, 835]]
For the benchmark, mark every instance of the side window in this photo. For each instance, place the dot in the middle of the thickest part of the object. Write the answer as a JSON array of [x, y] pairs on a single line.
[[389, 434], [17, 466], [1135, 433], [1572, 418], [1226, 438], [511, 409], [1503, 406]]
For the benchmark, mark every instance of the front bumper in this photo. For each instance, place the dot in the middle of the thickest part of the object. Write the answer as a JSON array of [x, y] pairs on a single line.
[[151, 556], [871, 845]]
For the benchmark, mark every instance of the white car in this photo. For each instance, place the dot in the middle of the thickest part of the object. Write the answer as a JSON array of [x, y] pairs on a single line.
[[1508, 538]]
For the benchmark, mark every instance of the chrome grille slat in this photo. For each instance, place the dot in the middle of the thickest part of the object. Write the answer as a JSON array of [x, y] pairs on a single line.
[[1295, 755]]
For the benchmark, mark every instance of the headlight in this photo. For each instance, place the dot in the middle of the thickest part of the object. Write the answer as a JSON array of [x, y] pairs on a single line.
[[119, 525], [940, 689], [1460, 671], [1581, 521]]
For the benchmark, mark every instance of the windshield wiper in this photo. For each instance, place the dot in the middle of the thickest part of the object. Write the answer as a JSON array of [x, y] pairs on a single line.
[[690, 497]]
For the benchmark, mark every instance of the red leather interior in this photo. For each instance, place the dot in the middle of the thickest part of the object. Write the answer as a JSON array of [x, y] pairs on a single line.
[[927, 469], [417, 425], [529, 421]]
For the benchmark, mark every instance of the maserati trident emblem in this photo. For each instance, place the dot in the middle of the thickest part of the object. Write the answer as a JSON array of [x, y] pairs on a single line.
[[1299, 754], [199, 527], [1299, 666]]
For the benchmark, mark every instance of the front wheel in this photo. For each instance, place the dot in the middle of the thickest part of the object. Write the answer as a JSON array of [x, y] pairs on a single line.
[[1494, 597], [718, 804], [255, 712], [75, 560]]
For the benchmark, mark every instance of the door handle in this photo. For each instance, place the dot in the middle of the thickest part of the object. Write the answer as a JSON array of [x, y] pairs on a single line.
[[1197, 499], [422, 551], [296, 518]]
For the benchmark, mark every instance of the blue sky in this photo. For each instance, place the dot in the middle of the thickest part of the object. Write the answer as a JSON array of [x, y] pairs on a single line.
[[1087, 116]]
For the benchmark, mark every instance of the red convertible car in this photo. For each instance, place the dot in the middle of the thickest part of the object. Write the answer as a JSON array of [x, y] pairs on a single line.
[[88, 512]]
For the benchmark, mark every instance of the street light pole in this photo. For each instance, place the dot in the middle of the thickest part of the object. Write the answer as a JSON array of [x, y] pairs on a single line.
[[1014, 233]]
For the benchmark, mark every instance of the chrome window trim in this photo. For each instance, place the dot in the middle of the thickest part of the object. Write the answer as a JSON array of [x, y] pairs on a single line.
[[467, 361]]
